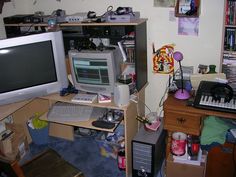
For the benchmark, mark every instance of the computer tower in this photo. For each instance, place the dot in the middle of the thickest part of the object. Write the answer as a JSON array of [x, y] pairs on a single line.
[[148, 152]]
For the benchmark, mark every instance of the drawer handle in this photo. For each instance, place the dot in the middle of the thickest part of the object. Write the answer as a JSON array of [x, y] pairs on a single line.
[[181, 120]]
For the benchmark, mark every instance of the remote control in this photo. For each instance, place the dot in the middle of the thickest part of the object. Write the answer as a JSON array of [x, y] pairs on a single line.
[[103, 124]]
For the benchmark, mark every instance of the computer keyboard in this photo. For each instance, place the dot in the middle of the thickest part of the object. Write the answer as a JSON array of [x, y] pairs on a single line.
[[64, 112]]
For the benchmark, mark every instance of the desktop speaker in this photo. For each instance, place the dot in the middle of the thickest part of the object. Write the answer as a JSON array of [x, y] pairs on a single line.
[[148, 152], [121, 94]]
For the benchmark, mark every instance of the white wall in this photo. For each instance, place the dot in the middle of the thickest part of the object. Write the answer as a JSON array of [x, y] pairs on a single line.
[[203, 49]]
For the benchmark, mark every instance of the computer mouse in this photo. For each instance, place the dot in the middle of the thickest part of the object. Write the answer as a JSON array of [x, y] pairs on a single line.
[[110, 116]]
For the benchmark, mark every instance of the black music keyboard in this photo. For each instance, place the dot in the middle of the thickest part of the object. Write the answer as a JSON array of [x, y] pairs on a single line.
[[206, 100]]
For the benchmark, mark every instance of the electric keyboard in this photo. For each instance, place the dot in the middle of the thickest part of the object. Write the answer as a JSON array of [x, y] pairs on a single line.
[[206, 98]]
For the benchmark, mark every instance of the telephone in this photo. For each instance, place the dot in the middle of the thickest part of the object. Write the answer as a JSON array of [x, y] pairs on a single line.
[[222, 90], [124, 10], [59, 13]]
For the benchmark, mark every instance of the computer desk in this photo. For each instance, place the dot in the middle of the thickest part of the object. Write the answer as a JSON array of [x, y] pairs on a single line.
[[21, 112], [178, 117]]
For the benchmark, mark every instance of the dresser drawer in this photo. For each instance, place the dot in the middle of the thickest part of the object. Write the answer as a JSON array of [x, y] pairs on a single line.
[[183, 122]]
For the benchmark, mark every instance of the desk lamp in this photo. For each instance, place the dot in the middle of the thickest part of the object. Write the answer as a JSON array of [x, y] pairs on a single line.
[[181, 94]]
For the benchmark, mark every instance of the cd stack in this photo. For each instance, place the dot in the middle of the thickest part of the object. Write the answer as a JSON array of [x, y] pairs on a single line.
[[230, 71]]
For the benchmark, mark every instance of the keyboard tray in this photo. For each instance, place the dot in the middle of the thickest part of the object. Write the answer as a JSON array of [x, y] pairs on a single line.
[[65, 112]]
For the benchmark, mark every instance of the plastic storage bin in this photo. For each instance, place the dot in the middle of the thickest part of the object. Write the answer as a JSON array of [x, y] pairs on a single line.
[[39, 136]]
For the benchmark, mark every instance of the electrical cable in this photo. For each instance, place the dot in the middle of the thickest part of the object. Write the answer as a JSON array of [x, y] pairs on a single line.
[[234, 174], [28, 29], [163, 96], [109, 9], [137, 103], [165, 92], [161, 101], [160, 172]]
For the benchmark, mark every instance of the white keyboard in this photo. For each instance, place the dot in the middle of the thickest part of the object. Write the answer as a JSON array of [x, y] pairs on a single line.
[[61, 111]]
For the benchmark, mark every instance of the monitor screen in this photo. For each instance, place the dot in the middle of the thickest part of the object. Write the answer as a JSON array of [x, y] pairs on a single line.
[[31, 66], [17, 67], [95, 71], [89, 71]]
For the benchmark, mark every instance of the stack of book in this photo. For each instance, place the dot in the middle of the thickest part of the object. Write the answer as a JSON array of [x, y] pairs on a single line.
[[230, 17], [229, 43], [127, 50], [229, 57], [230, 71], [104, 98]]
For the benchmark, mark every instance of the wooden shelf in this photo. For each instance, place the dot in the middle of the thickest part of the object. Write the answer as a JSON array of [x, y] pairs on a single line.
[[83, 124], [230, 26], [131, 23], [8, 109]]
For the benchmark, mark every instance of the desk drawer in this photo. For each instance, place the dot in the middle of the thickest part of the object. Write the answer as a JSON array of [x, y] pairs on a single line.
[[183, 122]]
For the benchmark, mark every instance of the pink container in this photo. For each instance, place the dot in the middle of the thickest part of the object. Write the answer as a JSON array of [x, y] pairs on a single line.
[[178, 143]]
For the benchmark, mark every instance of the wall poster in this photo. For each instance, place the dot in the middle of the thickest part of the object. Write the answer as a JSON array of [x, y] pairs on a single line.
[[188, 26], [164, 3], [163, 61]]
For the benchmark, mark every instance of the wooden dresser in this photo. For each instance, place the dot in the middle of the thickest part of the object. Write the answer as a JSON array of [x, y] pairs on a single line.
[[178, 117]]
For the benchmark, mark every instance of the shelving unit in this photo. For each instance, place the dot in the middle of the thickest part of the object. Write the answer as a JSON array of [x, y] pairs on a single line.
[[134, 31], [115, 32], [22, 111], [229, 42]]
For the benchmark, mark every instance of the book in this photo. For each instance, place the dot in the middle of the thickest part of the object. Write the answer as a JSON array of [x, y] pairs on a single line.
[[227, 13], [84, 98], [122, 51], [104, 98]]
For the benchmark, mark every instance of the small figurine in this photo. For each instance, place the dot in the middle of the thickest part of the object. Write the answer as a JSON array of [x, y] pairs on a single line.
[[202, 69]]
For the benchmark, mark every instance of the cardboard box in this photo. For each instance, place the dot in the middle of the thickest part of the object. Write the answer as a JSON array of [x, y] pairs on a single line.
[[174, 169], [18, 142], [6, 145]]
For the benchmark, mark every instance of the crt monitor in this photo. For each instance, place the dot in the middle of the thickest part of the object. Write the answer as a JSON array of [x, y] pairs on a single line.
[[32, 66], [95, 71]]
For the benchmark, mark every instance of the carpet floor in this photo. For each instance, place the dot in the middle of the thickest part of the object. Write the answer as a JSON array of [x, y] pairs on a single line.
[[83, 153]]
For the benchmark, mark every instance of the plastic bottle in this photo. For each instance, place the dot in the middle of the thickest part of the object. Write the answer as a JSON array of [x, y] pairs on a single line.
[[212, 69], [121, 157]]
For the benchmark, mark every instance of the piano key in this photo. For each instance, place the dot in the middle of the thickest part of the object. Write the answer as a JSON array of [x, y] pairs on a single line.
[[205, 100], [202, 98], [209, 100], [222, 101], [231, 104]]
